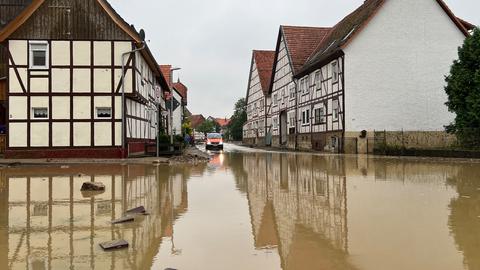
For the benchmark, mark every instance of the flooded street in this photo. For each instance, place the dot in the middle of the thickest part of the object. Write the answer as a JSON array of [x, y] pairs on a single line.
[[246, 210]]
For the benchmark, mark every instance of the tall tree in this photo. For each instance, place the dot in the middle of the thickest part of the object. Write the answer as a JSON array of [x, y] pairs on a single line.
[[206, 127], [463, 90], [239, 118]]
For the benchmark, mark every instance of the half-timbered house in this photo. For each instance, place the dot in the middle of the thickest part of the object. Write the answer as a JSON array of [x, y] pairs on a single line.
[[79, 81], [258, 99], [381, 68], [294, 46]]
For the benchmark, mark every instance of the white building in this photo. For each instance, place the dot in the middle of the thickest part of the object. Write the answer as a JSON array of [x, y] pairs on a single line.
[[64, 82], [381, 68]]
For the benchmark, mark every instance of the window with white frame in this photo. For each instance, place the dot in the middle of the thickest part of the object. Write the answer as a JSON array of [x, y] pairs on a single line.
[[319, 115], [262, 104], [335, 71], [275, 123], [306, 88], [302, 86], [292, 120], [104, 112], [38, 55], [306, 117], [40, 112], [318, 81], [292, 90], [335, 109], [275, 99]]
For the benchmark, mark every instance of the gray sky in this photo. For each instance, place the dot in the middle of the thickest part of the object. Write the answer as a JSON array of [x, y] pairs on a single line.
[[212, 40]]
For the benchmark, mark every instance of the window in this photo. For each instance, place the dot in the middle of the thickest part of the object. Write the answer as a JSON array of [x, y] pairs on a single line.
[[104, 112], [262, 104], [39, 55], [319, 115], [306, 117], [302, 86], [275, 123], [292, 120], [335, 109], [292, 90], [40, 113], [318, 82], [335, 71], [307, 85], [275, 99]]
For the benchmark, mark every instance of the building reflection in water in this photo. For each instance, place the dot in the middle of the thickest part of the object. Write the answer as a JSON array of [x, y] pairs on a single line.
[[299, 208], [47, 223]]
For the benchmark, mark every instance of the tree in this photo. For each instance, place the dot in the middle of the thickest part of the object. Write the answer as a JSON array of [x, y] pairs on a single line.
[[239, 118], [206, 127], [463, 90]]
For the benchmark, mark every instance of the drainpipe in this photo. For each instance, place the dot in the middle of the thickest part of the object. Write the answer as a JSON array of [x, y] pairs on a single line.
[[124, 119]]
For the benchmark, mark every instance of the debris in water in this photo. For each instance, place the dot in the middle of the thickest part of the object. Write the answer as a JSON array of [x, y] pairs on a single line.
[[93, 186], [115, 244], [170, 269], [124, 219], [466, 197], [91, 194], [64, 167], [137, 210]]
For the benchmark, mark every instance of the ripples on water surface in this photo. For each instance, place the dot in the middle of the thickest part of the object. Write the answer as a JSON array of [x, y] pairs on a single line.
[[247, 211]]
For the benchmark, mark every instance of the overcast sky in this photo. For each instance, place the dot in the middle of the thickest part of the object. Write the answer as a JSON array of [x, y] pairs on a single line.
[[212, 40]]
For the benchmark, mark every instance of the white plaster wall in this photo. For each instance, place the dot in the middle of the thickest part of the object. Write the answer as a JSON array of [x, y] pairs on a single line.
[[120, 48], [81, 108], [17, 108], [118, 108], [60, 134], [39, 85], [395, 68], [81, 53], [118, 134], [102, 80], [177, 115], [81, 80], [60, 80], [102, 51], [20, 131], [60, 53], [81, 134], [14, 83], [128, 80], [18, 50], [61, 107], [39, 102], [103, 134], [39, 134]]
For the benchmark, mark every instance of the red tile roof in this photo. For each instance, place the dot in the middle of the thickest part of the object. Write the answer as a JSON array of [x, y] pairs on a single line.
[[222, 122], [301, 41], [344, 31], [167, 73], [264, 61], [182, 89], [196, 120]]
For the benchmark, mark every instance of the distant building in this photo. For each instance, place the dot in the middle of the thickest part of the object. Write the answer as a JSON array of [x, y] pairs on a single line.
[[61, 77], [381, 68], [179, 91], [258, 98], [222, 124]]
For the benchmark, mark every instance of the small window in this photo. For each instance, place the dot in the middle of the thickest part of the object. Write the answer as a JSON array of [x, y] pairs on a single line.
[[292, 91], [40, 113], [335, 71], [302, 86], [306, 117], [292, 120], [318, 82], [335, 110], [319, 116], [38, 55], [104, 112], [275, 99]]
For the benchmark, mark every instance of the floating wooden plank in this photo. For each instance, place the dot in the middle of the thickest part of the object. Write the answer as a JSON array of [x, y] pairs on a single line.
[[137, 210], [124, 219], [115, 244]]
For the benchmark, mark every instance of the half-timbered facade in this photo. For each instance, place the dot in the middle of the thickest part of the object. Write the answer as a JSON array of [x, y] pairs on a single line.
[[294, 45], [64, 82], [381, 68], [258, 98]]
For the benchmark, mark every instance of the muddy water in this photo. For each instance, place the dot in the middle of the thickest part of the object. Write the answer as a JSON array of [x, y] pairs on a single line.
[[246, 211]]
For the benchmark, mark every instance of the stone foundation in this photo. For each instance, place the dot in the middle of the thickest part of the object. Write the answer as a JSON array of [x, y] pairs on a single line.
[[305, 142]]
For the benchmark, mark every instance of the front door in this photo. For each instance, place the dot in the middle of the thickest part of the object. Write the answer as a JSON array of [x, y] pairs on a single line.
[[283, 128]]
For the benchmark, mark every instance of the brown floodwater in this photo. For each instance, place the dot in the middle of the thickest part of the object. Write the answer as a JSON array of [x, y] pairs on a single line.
[[246, 210]]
